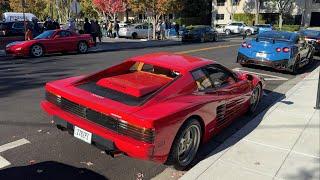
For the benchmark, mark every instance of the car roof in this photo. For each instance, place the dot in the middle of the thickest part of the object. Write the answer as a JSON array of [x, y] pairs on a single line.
[[285, 33], [178, 62]]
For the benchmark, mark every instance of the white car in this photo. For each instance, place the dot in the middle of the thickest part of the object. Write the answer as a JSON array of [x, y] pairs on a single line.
[[239, 27], [135, 31]]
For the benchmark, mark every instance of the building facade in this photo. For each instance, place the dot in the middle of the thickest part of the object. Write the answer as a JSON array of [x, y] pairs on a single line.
[[303, 12]]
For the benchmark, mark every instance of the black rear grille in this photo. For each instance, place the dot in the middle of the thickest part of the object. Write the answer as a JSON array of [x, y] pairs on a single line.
[[118, 126]]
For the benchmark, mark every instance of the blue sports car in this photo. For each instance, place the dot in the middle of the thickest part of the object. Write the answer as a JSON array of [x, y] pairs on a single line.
[[280, 50], [264, 27]]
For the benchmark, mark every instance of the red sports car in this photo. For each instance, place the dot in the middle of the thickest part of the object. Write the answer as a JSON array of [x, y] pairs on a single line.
[[51, 41], [159, 106]]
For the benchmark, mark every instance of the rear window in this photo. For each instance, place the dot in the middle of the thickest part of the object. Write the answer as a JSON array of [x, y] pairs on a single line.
[[139, 66], [311, 33], [271, 35]]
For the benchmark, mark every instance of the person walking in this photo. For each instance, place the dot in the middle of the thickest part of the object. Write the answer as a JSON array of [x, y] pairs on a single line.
[[110, 27], [177, 29], [162, 30], [28, 36], [99, 32], [94, 31], [87, 26], [158, 29], [116, 28], [71, 25], [56, 24]]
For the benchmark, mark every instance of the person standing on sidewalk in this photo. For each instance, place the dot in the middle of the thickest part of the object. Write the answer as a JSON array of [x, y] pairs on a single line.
[[94, 31], [162, 30], [99, 32], [110, 27], [87, 26], [177, 29], [158, 29], [28, 35], [116, 28]]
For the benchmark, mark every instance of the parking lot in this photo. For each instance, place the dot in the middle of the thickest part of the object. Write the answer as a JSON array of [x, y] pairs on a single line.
[[30, 143]]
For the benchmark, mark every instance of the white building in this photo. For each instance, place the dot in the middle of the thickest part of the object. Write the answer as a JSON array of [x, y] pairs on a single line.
[[304, 12]]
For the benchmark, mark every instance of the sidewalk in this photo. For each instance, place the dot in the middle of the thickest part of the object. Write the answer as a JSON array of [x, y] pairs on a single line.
[[112, 44], [280, 143]]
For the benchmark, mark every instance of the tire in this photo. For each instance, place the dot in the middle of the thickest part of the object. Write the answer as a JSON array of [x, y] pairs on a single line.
[[295, 68], [36, 50], [82, 47], [248, 32], [255, 99], [183, 150], [214, 39], [202, 39], [134, 35], [227, 31]]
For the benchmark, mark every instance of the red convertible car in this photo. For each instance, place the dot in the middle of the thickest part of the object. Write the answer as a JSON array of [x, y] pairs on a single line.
[[158, 107], [52, 41]]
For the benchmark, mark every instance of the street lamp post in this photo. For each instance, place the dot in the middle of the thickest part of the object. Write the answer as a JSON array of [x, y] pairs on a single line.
[[318, 94], [23, 4]]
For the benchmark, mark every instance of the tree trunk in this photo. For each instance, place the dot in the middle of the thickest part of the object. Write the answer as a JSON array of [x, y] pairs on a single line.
[[280, 20], [257, 5], [154, 25]]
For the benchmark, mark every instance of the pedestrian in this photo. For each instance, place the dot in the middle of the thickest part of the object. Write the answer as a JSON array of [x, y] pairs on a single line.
[[94, 31], [99, 32], [177, 29], [56, 24], [167, 28], [162, 30], [28, 36], [110, 27], [71, 25], [87, 26], [116, 28], [158, 29], [36, 29]]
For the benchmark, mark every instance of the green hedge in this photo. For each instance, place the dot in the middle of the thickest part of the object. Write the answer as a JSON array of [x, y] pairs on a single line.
[[291, 28], [247, 18], [191, 21]]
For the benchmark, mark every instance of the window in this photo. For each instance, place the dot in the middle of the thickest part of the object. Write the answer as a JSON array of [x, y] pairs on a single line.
[[221, 2], [65, 34], [138, 27], [139, 66], [212, 77], [18, 25], [219, 77], [219, 16], [235, 2]]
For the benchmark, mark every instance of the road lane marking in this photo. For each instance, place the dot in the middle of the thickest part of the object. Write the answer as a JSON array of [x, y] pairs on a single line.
[[205, 49], [266, 77], [8, 146], [13, 144], [3, 162]]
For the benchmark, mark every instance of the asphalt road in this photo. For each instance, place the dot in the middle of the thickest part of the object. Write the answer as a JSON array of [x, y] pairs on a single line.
[[48, 153]]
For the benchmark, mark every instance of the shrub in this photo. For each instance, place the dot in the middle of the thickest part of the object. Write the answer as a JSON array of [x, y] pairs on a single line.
[[247, 18], [285, 27]]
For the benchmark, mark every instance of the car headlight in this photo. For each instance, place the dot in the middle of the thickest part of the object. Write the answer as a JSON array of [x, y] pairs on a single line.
[[19, 48]]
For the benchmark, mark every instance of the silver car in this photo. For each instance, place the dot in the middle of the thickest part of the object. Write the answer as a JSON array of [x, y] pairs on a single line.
[[239, 27], [135, 31]]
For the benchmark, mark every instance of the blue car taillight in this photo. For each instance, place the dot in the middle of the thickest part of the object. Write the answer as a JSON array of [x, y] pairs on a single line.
[[286, 49]]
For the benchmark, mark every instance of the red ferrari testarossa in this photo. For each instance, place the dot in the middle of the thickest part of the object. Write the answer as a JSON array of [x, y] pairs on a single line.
[[159, 106]]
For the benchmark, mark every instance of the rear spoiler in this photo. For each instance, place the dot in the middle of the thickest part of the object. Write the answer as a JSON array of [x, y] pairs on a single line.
[[273, 40]]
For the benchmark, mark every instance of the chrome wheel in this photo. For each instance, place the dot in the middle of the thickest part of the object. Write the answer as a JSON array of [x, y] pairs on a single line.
[[254, 99], [228, 32], [188, 145], [36, 50], [82, 47]]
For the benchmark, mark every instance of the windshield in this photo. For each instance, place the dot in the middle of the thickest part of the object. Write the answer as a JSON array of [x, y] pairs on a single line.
[[311, 33], [277, 36], [45, 35]]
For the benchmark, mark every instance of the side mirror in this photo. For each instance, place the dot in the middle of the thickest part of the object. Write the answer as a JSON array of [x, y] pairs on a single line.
[[249, 77]]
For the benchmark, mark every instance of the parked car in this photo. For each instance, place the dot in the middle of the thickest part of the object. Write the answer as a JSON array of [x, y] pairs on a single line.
[[239, 27], [12, 28], [264, 27], [200, 33], [135, 31], [51, 41], [157, 107], [312, 36], [280, 50]]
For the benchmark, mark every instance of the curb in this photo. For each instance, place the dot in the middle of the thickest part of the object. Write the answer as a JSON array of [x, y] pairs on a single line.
[[203, 165], [2, 53]]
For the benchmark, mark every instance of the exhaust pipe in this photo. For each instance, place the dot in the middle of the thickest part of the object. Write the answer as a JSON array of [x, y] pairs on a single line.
[[114, 153], [61, 127]]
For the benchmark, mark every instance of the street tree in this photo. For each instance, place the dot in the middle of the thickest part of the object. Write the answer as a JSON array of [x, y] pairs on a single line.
[[283, 6], [4, 6], [156, 8], [110, 8], [36, 7], [87, 10]]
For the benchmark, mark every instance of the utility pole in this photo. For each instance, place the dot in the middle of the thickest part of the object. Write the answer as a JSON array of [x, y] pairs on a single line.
[[23, 4]]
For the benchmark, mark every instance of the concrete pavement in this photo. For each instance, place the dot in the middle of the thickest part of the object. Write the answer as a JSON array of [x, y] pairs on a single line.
[[280, 143]]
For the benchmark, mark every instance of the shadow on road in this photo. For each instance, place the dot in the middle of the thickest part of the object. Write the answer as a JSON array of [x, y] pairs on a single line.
[[49, 170]]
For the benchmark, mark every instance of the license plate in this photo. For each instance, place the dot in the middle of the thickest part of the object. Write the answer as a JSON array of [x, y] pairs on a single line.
[[82, 134], [261, 54]]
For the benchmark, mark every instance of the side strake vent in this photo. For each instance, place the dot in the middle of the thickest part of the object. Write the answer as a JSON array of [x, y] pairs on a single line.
[[116, 125], [221, 111]]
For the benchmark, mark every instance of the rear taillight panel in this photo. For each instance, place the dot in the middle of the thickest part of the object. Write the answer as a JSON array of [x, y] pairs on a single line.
[[278, 49], [286, 49], [246, 45]]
